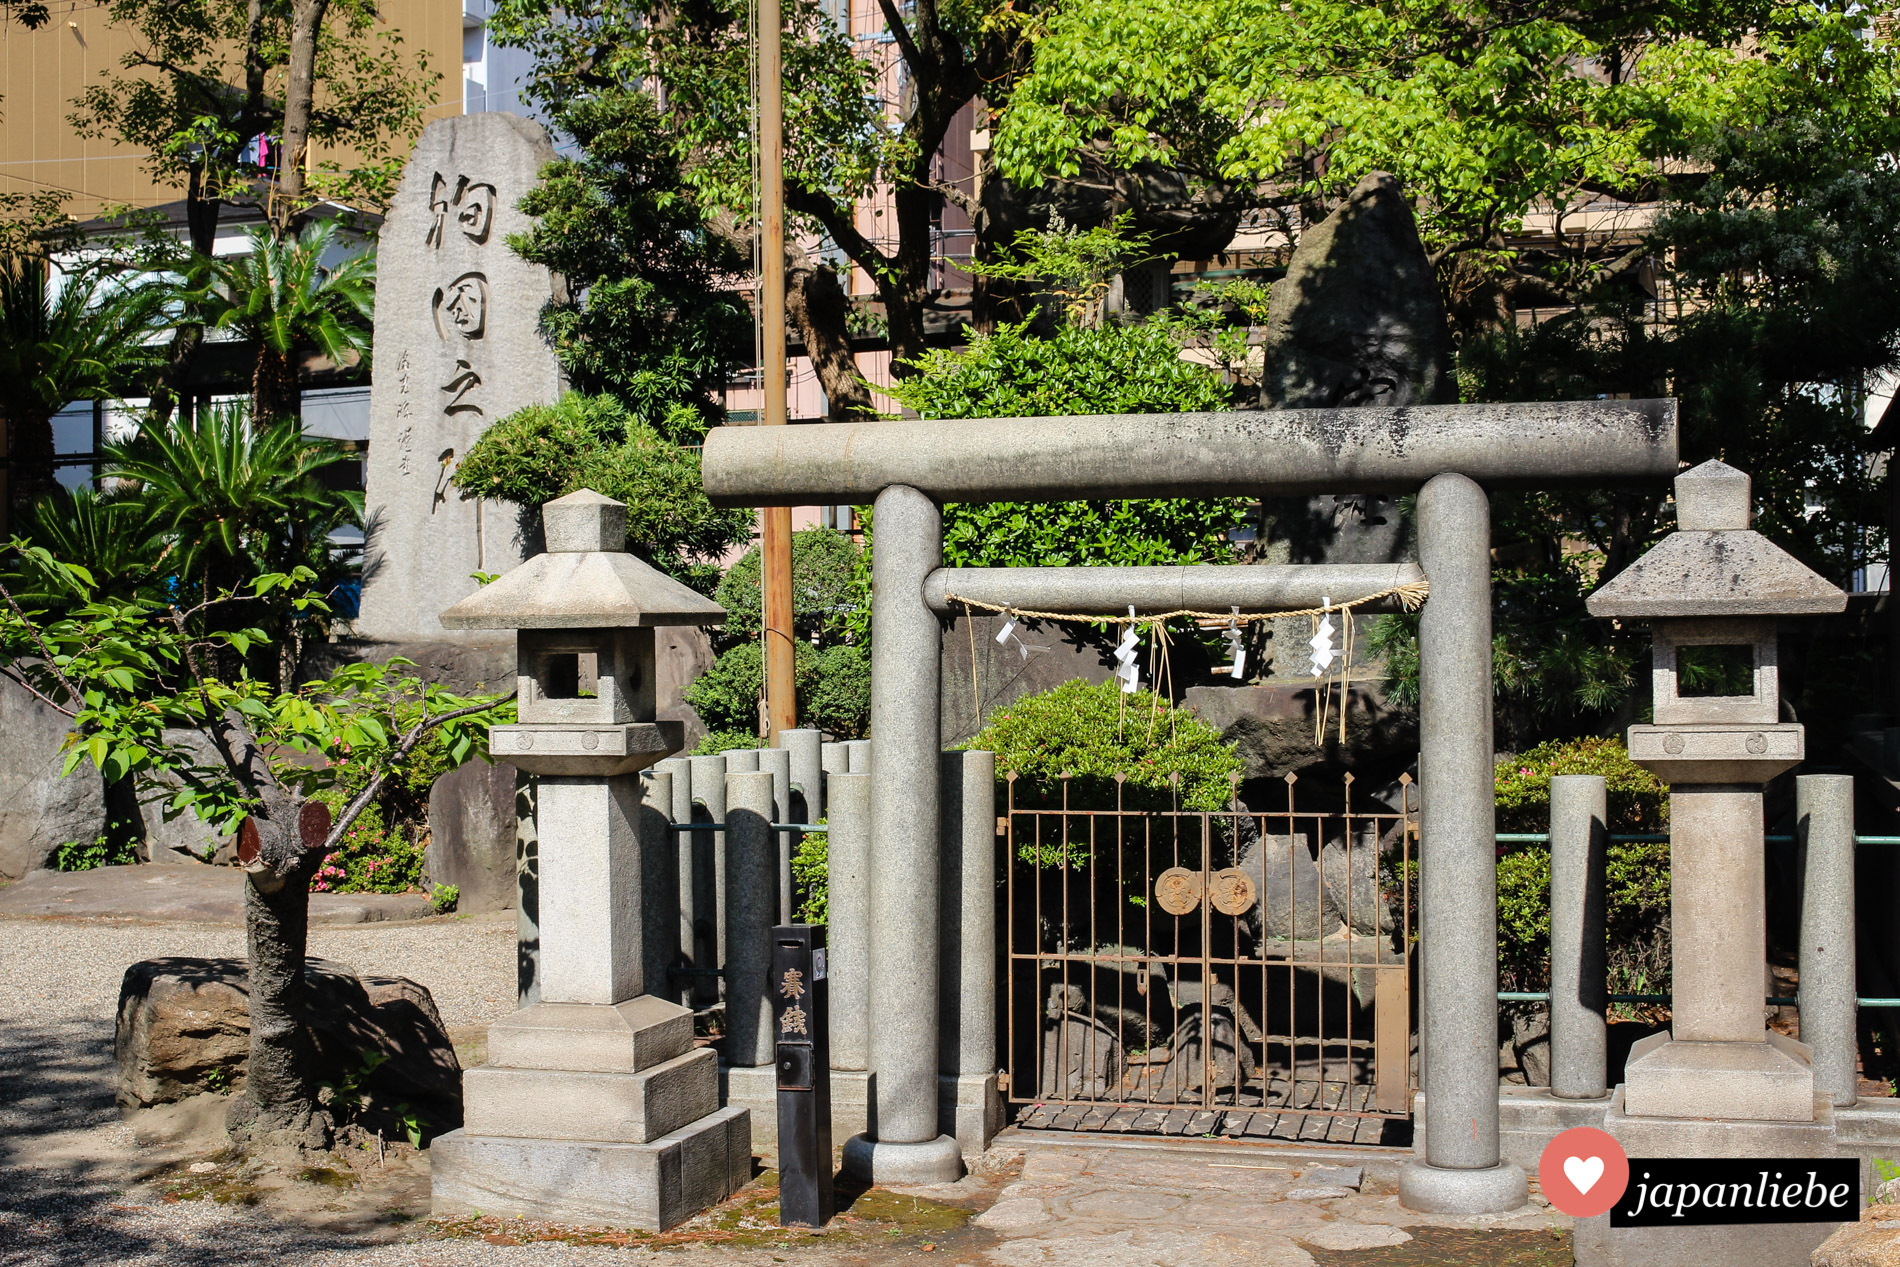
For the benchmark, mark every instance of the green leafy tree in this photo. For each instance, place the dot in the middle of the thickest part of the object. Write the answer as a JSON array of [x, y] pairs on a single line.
[[1111, 370], [1073, 265], [283, 300], [36, 223], [649, 317], [825, 595], [127, 672], [75, 336], [842, 138], [1756, 298], [31, 14], [273, 105], [1484, 110], [546, 451], [833, 685], [831, 672]]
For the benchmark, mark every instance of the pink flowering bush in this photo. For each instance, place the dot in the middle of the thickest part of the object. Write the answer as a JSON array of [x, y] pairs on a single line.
[[373, 858]]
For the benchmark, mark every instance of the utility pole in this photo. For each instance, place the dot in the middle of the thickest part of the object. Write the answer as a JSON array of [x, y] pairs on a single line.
[[781, 705]]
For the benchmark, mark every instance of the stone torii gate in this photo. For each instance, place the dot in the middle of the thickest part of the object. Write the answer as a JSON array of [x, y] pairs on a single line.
[[1448, 454]]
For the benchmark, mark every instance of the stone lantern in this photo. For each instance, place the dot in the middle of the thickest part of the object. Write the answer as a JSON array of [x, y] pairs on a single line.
[[594, 1105], [1712, 593]]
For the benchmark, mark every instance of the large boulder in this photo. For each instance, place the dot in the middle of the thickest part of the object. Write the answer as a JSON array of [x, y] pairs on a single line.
[[1873, 1241], [1271, 726], [472, 834], [1357, 320], [184, 1028], [39, 810]]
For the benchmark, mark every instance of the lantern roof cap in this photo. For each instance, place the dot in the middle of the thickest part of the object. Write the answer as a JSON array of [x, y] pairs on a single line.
[[586, 580], [1715, 564]]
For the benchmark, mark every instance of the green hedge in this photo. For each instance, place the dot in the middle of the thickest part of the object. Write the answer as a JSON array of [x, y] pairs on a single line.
[[1637, 872]]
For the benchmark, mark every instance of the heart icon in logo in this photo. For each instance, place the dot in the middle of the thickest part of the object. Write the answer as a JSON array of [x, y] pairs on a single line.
[[1583, 1172]]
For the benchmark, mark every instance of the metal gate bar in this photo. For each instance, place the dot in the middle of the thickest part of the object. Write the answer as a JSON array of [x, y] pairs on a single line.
[[1257, 981]]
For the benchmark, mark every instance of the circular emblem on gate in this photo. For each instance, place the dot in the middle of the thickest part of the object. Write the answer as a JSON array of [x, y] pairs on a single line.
[[1672, 744], [590, 740], [1758, 743], [524, 742], [1178, 890], [1230, 891]]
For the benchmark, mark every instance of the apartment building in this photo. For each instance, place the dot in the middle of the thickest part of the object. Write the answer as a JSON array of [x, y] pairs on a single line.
[[42, 71]]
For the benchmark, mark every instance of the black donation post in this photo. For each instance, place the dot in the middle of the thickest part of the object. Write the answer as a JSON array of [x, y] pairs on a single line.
[[801, 1025], [1703, 1192]]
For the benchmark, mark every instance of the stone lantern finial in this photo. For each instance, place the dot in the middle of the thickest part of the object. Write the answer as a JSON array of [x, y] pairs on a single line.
[[583, 521], [1713, 497]]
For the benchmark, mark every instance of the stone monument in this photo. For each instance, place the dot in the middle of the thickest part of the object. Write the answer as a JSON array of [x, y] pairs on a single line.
[[458, 345], [1719, 1083], [594, 1106]]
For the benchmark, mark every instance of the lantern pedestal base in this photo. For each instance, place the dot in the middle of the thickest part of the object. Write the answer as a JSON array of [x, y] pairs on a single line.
[[652, 1186], [591, 1113], [1597, 1244], [634, 1108], [1771, 1081]]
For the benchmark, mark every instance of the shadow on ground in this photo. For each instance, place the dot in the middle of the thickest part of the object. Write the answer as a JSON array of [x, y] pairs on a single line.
[[70, 1197]]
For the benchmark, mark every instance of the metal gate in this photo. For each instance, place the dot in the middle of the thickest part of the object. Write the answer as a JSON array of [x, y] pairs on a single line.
[[1189, 972]]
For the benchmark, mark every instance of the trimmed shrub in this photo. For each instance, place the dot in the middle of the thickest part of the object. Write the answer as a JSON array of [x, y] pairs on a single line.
[[1638, 800], [833, 684], [1093, 733]]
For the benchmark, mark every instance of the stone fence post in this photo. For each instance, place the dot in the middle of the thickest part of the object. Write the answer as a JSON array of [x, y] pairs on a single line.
[[1579, 971], [1824, 819], [848, 919], [752, 909], [709, 874]]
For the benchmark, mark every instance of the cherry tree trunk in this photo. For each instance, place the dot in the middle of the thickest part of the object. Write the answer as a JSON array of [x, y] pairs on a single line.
[[279, 1104]]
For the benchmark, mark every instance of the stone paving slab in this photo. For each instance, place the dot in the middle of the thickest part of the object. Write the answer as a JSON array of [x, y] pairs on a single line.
[[1118, 1205], [184, 894]]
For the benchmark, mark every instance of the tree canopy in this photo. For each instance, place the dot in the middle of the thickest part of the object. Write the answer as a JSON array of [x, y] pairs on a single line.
[[208, 87], [1484, 109]]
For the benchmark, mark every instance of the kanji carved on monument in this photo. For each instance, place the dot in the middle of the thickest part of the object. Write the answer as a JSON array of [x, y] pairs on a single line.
[[457, 318]]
